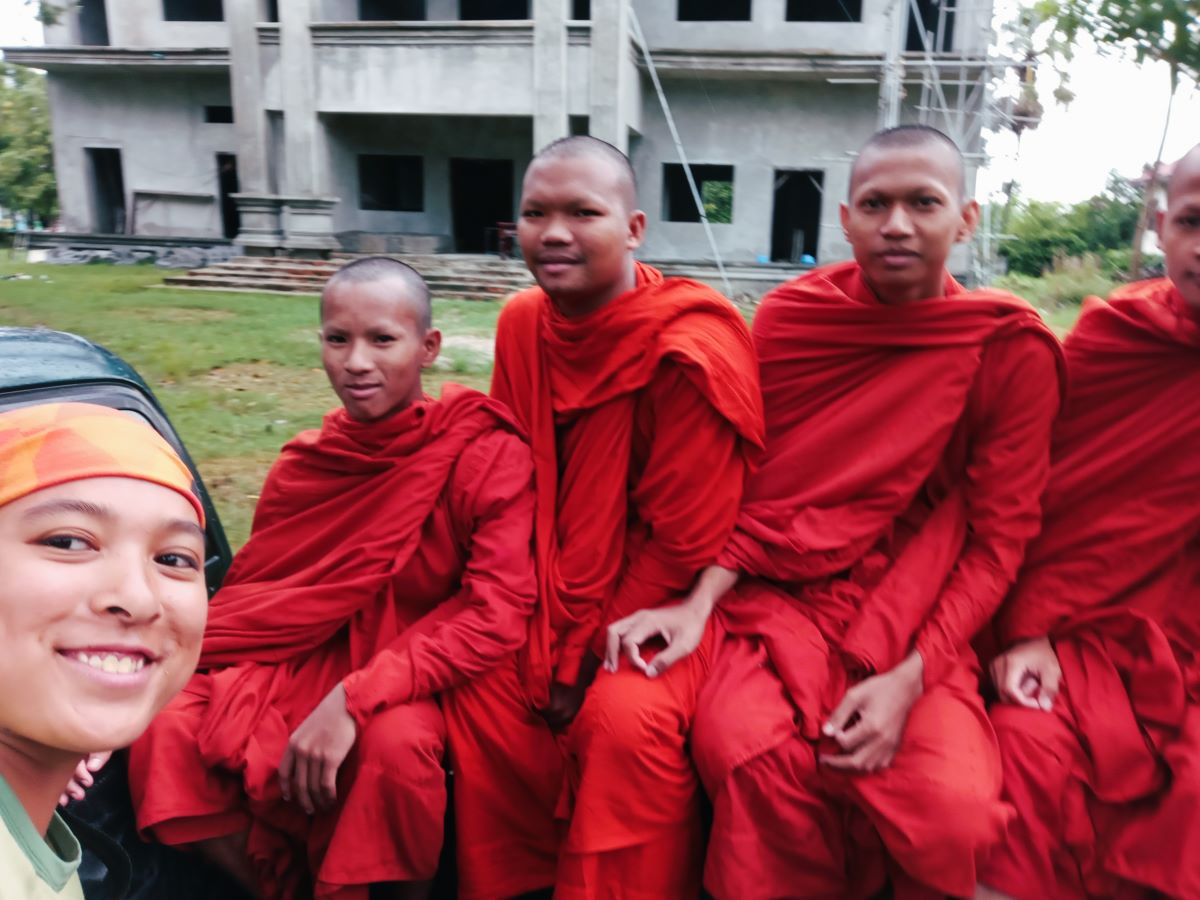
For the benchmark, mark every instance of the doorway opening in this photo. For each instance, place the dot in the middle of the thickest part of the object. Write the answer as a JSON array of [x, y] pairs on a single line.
[[227, 185], [796, 223], [108, 190], [481, 195], [474, 10], [93, 23], [940, 34]]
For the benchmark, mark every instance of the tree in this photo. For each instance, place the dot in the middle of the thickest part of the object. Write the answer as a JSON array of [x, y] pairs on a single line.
[[1160, 30], [26, 155], [1044, 232]]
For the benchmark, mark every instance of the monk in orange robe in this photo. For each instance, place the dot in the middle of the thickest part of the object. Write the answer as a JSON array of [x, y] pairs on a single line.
[[390, 560], [1099, 723], [642, 405], [841, 736]]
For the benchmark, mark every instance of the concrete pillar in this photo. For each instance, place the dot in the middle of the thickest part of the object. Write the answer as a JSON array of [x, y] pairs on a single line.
[[303, 176], [441, 10], [308, 211], [549, 72], [610, 46], [245, 86]]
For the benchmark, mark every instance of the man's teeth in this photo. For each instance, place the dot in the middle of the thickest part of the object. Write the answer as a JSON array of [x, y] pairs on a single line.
[[112, 663]]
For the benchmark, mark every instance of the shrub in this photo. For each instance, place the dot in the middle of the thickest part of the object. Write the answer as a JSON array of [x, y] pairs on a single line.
[[1066, 282]]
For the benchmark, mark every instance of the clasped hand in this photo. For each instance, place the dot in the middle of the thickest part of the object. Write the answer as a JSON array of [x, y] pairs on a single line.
[[680, 626], [868, 724], [315, 753], [1028, 674]]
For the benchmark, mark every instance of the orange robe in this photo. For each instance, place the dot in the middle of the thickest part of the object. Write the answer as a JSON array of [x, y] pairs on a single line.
[[394, 558], [1107, 784], [907, 447], [642, 417]]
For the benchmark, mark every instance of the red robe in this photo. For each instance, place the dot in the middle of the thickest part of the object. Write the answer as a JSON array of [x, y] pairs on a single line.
[[907, 447], [1113, 581], [394, 558], [643, 417]]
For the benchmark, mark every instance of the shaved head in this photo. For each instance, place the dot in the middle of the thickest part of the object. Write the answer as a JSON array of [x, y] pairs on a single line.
[[384, 268], [584, 146], [1186, 172], [910, 137], [1179, 228]]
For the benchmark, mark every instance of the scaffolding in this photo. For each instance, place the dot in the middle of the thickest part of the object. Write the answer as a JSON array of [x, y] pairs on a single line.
[[956, 94]]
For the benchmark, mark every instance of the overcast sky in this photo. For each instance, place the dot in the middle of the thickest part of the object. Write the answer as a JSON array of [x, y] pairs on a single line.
[[1115, 121]]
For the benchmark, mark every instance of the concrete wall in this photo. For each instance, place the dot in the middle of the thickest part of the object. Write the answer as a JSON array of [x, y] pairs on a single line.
[[141, 24], [768, 31], [436, 139], [471, 77], [811, 125], [166, 146]]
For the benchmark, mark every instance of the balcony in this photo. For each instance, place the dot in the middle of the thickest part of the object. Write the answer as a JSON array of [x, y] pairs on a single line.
[[67, 59], [429, 68]]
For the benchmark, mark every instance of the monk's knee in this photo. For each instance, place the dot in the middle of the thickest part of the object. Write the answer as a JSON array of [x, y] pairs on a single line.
[[1036, 748], [622, 720], [407, 742]]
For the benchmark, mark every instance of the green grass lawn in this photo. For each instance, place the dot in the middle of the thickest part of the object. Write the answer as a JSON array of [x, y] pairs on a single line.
[[238, 373]]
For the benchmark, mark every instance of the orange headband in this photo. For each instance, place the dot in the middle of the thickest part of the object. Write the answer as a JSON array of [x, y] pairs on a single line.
[[53, 443]]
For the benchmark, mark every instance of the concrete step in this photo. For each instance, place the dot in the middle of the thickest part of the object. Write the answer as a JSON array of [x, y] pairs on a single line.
[[454, 276]]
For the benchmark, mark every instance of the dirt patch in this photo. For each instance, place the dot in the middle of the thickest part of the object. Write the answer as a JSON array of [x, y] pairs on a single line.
[[234, 484]]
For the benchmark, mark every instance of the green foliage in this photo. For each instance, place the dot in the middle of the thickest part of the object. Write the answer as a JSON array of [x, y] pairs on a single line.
[[1163, 30], [1065, 284], [1043, 232], [48, 11], [26, 155], [718, 201]]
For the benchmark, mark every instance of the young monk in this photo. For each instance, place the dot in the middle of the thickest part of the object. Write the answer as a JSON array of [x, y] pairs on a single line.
[[1098, 722], [641, 400], [390, 560], [102, 607], [908, 425]]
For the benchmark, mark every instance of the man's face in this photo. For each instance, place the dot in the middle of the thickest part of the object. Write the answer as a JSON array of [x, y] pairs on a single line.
[[576, 231], [904, 215], [1179, 235], [374, 346], [102, 610]]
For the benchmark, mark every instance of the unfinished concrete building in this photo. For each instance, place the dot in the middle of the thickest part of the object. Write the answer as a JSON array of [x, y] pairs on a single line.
[[301, 126]]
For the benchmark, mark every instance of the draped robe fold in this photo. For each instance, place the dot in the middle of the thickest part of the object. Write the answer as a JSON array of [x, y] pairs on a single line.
[[644, 417], [1107, 784], [393, 557], [907, 447]]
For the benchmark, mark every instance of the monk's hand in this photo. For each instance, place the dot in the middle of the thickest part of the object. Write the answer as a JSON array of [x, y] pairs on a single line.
[[84, 776], [868, 724], [680, 626], [1028, 674], [317, 749], [567, 699]]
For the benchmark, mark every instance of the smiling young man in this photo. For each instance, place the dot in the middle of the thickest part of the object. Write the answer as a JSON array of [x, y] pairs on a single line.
[[1099, 723], [102, 607], [840, 735], [390, 560], [641, 400]]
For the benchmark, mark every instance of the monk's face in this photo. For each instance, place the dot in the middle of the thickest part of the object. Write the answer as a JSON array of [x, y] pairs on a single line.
[[102, 609], [904, 214], [578, 231], [1179, 232], [374, 345]]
